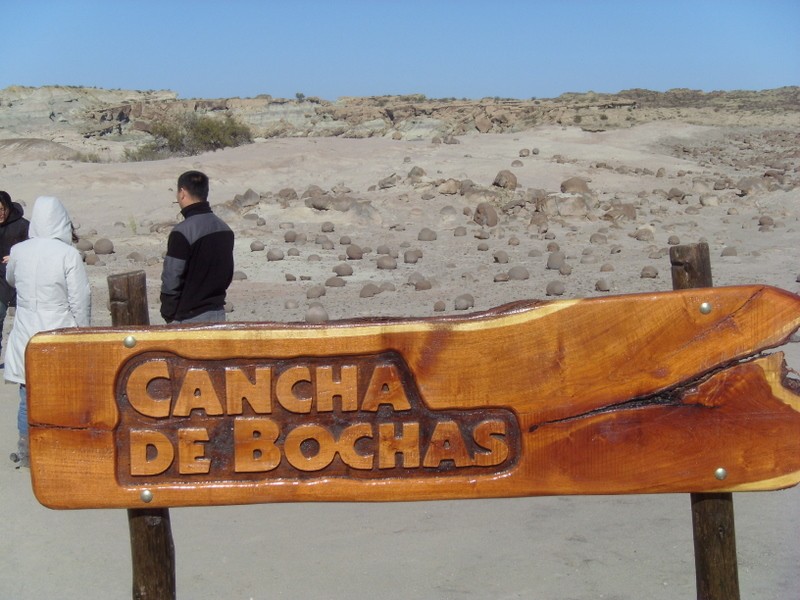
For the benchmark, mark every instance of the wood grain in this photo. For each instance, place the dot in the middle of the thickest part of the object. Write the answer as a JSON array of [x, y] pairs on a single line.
[[628, 394]]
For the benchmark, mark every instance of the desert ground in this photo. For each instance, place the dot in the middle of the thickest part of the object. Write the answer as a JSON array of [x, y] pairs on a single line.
[[330, 228]]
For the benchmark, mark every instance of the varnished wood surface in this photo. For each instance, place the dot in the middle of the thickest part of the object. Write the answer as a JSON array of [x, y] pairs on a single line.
[[627, 394]]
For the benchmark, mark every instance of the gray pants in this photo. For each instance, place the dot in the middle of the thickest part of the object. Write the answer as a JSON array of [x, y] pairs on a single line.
[[211, 316]]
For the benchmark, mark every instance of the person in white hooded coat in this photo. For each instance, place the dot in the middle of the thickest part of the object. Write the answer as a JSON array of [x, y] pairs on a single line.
[[52, 292]]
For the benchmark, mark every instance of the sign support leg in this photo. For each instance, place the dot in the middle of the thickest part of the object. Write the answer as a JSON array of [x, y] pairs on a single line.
[[152, 548], [716, 569]]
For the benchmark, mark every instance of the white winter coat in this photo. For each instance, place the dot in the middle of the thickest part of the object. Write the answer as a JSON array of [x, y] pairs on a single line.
[[52, 287]]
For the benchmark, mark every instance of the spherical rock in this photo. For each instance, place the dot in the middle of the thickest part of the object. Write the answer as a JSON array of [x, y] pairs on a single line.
[[293, 252], [136, 257], [239, 276], [316, 314], [411, 257], [291, 304], [485, 215], [354, 252], [673, 240], [426, 235], [334, 282], [343, 270], [422, 284], [555, 260], [93, 260], [505, 179], [598, 238], [369, 290], [274, 254], [483, 247], [459, 231], [84, 245], [606, 267], [555, 288], [602, 286], [649, 272], [439, 306], [256, 246], [290, 237], [327, 227], [763, 221], [316, 291], [103, 246], [729, 251], [501, 256], [386, 262], [518, 273], [464, 302], [575, 185]]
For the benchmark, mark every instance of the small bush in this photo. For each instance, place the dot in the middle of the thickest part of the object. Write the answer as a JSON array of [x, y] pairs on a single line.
[[149, 151], [89, 157], [191, 136]]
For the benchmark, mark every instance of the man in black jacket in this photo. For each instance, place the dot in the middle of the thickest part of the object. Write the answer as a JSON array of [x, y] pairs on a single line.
[[198, 267], [13, 229]]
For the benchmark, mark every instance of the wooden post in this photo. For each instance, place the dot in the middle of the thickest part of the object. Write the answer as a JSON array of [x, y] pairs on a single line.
[[716, 569], [152, 548]]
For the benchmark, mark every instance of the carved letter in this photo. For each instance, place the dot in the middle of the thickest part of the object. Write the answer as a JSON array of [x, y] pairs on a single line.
[[284, 389], [191, 453], [490, 435], [347, 446], [385, 387], [144, 442], [293, 447], [239, 389], [346, 388], [136, 389], [197, 391], [254, 445], [389, 445], [446, 444]]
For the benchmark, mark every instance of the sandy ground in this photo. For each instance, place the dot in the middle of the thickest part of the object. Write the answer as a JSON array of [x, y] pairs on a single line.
[[553, 548]]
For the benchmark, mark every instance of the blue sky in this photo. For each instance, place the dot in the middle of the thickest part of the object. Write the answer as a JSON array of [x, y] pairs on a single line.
[[447, 48]]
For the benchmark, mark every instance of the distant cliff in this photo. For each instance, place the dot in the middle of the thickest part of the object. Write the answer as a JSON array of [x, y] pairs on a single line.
[[80, 118]]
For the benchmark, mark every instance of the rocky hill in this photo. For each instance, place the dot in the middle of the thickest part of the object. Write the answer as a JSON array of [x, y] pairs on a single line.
[[60, 122]]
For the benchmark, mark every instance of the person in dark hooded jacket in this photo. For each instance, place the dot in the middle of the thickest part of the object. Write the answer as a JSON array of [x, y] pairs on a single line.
[[13, 229]]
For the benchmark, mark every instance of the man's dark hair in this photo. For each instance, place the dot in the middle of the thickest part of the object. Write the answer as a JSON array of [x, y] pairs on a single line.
[[5, 200], [196, 183]]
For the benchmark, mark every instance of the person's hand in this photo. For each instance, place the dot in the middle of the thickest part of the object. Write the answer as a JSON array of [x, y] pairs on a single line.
[[5, 260]]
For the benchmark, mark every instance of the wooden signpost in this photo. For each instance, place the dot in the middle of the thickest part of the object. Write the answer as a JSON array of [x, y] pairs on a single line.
[[663, 392]]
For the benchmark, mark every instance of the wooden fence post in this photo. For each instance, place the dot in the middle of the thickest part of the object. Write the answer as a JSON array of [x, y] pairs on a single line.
[[152, 548], [716, 569]]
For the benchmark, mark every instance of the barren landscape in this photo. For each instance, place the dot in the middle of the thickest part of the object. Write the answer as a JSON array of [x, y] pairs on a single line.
[[409, 207]]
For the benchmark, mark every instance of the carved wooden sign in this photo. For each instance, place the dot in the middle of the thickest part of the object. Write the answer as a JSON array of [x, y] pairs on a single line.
[[641, 393]]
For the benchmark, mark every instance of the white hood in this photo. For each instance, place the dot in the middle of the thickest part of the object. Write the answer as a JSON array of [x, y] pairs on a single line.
[[50, 220]]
